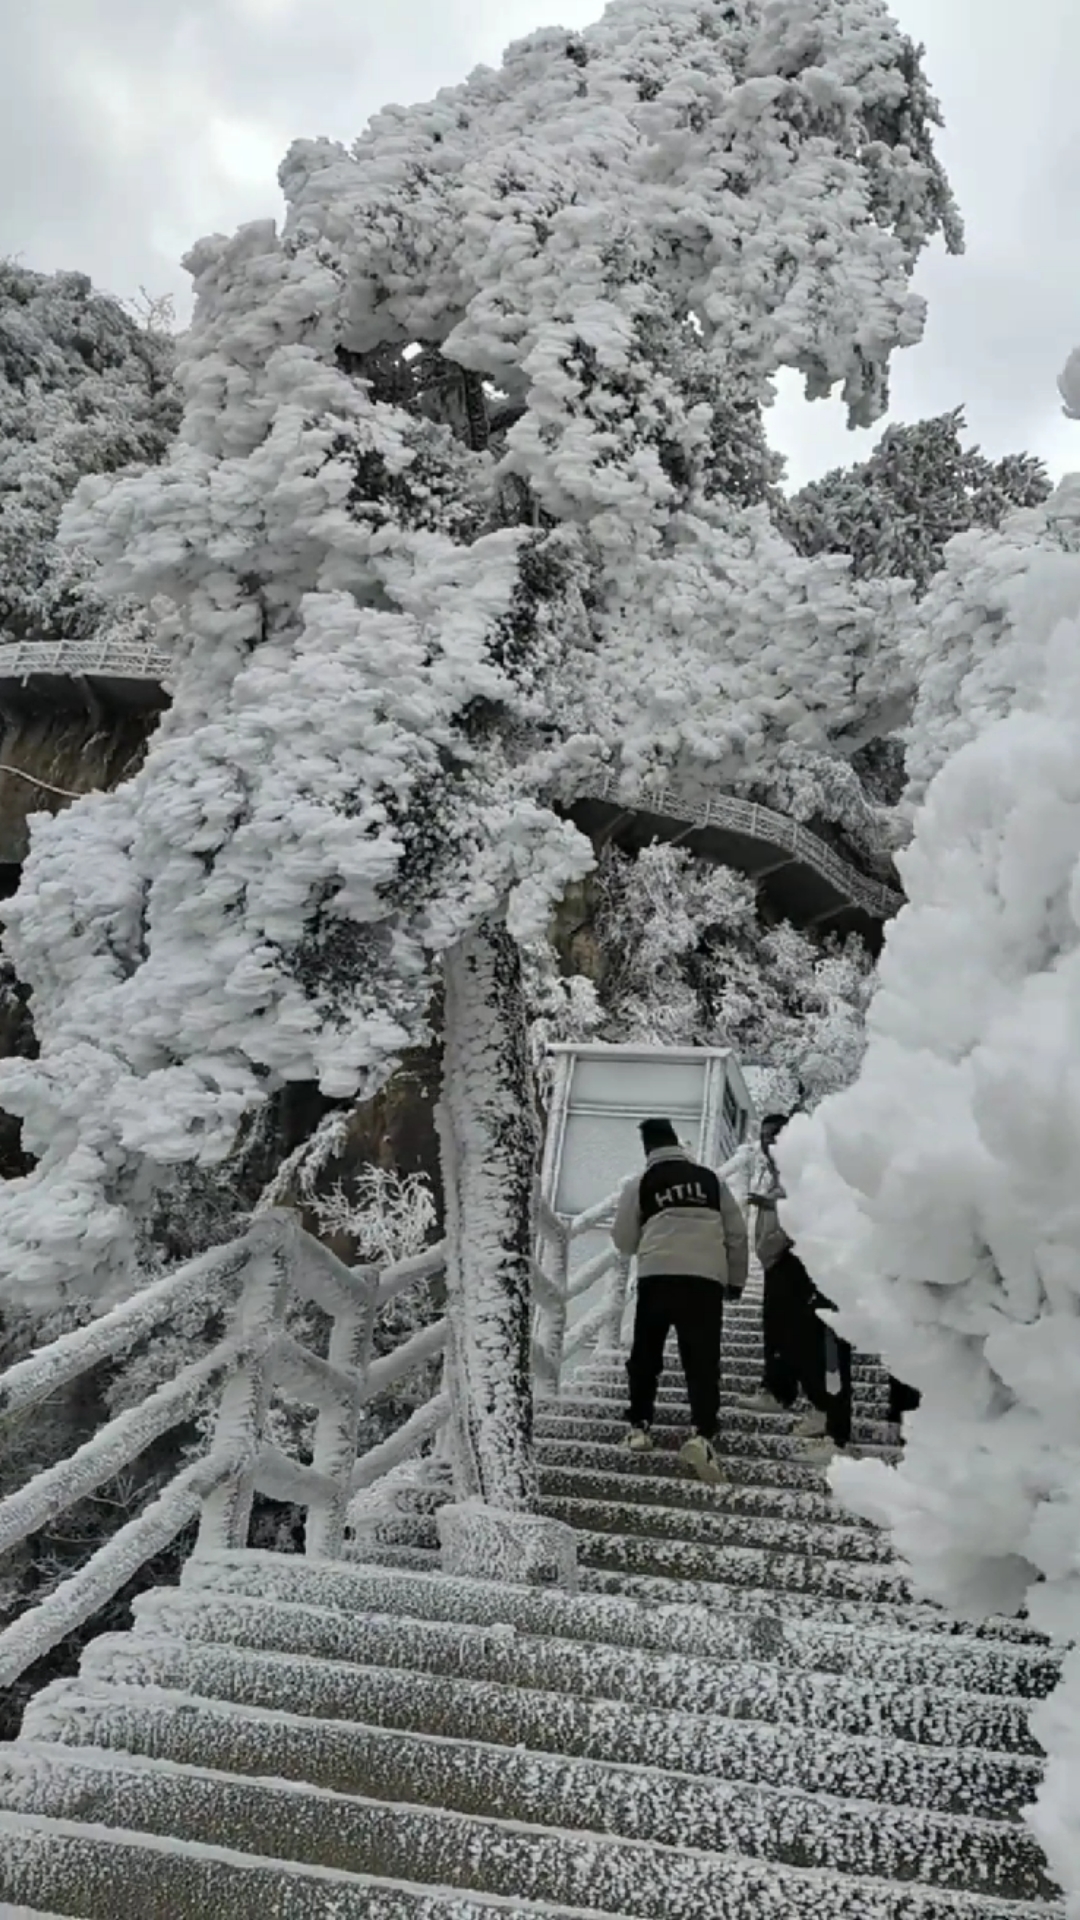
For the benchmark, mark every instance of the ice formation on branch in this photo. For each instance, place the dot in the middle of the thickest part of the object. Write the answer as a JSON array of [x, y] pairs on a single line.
[[417, 594], [936, 1199]]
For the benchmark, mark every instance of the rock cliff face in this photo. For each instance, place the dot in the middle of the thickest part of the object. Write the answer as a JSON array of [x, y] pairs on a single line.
[[59, 748]]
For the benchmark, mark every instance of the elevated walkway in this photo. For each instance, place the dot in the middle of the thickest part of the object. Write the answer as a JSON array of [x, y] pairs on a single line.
[[805, 879]]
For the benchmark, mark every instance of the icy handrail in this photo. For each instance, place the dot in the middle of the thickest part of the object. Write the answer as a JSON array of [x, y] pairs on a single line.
[[118, 659], [273, 1262]]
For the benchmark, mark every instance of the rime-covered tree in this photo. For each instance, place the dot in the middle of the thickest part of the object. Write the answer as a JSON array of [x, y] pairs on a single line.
[[896, 512], [963, 648], [84, 388], [935, 1200], [686, 960], [412, 610]]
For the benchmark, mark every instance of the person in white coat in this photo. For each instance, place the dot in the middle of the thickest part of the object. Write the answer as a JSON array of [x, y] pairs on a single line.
[[689, 1236]]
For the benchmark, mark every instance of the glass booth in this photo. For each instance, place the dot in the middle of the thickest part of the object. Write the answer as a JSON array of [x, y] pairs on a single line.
[[600, 1094]]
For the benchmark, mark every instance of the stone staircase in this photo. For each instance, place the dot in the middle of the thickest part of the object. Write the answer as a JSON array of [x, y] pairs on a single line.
[[741, 1715]]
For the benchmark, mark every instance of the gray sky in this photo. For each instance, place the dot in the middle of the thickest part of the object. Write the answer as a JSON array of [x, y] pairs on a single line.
[[130, 127]]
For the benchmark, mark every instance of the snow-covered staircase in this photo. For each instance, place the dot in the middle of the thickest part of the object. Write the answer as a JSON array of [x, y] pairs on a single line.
[[740, 1714]]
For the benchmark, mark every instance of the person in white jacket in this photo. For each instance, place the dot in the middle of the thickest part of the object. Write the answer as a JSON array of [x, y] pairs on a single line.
[[689, 1236]]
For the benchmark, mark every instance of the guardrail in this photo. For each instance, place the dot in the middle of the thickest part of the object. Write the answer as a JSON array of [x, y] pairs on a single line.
[[728, 812], [115, 659], [271, 1265]]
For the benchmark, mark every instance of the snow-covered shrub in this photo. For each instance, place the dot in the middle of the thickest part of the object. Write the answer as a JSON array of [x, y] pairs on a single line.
[[936, 1199]]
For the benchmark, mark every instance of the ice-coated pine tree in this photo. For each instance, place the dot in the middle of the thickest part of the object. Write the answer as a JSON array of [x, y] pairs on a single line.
[[467, 506], [896, 512], [935, 1199]]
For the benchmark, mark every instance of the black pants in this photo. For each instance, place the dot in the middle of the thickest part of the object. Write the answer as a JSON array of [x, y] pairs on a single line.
[[695, 1308], [902, 1399], [799, 1347]]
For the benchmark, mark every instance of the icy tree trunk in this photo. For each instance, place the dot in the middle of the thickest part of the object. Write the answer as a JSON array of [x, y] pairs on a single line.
[[489, 1135]]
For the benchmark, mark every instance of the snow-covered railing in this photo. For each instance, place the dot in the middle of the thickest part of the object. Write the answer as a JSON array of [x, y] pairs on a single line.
[[114, 659], [555, 1288], [730, 813], [274, 1263]]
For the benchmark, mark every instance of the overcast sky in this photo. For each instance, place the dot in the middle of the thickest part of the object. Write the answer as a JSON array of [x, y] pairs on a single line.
[[130, 127]]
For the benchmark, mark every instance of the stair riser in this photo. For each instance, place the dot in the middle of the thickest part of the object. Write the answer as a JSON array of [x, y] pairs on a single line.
[[758, 1567], [720, 1529], [449, 1848], [671, 1590], [746, 1685], [712, 1525], [593, 1620], [738, 1444], [736, 1498], [746, 1470], [672, 1413], [121, 1877]]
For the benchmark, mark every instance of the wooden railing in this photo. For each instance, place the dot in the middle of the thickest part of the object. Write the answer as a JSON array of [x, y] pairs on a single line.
[[270, 1266]]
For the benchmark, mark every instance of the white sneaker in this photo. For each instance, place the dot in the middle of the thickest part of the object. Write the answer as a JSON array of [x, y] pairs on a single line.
[[638, 1440], [819, 1453], [699, 1453], [762, 1402], [812, 1426]]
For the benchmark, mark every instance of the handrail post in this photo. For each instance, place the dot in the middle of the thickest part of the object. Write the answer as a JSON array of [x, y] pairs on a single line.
[[610, 1335], [334, 1452], [241, 1419], [551, 1337]]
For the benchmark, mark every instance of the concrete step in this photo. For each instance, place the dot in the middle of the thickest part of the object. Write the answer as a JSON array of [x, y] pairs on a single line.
[[739, 1686], [946, 1657], [673, 1413], [121, 1875], [770, 1566], [717, 1527], [788, 1470], [738, 1443], [453, 1847], [806, 1507]]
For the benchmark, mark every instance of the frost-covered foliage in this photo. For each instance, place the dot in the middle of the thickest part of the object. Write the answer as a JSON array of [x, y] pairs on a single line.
[[410, 609], [827, 793], [936, 1199], [966, 650], [687, 960], [895, 512], [84, 388]]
